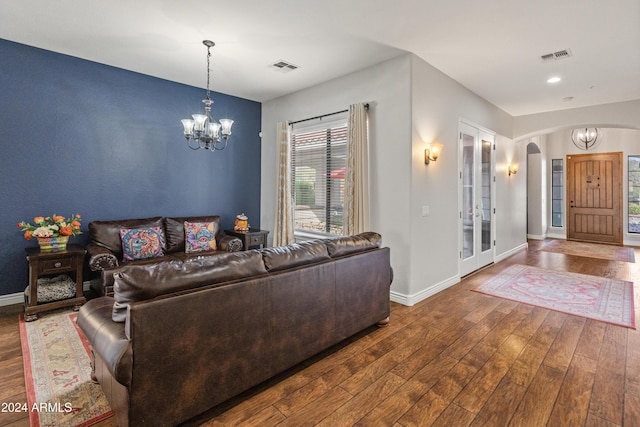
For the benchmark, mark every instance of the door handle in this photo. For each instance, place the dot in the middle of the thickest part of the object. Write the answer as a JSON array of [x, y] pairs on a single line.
[[571, 204]]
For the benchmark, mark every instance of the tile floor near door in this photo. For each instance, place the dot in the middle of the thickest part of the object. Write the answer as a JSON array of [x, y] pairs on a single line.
[[458, 358]]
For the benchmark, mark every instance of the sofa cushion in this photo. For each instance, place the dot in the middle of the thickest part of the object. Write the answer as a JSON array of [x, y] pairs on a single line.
[[139, 282], [142, 243], [282, 257], [346, 245], [200, 236], [174, 230], [107, 233]]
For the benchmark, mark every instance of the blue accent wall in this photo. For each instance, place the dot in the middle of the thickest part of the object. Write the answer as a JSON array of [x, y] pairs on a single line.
[[81, 137]]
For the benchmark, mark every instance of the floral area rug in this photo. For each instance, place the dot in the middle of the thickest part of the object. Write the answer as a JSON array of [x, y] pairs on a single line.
[[590, 250], [58, 373], [599, 298]]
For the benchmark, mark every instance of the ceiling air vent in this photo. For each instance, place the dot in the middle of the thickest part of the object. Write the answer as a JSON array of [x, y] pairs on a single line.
[[283, 66], [561, 54]]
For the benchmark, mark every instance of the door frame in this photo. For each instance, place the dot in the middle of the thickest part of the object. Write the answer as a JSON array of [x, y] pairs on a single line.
[[480, 258], [617, 203]]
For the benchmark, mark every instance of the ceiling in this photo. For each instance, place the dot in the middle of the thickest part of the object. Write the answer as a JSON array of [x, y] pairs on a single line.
[[492, 47]]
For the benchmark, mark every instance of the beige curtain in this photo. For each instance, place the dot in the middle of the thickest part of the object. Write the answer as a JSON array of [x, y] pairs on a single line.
[[356, 198], [283, 228]]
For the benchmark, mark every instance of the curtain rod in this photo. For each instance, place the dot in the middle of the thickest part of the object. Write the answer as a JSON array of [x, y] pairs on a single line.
[[366, 106]]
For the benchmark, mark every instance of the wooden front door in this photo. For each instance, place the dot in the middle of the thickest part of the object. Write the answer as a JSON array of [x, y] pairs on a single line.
[[594, 197]]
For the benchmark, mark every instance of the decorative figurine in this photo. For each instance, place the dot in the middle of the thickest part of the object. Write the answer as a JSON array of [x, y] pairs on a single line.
[[241, 223]]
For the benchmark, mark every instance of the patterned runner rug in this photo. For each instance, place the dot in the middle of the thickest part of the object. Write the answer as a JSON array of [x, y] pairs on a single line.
[[57, 373], [590, 250], [599, 298]]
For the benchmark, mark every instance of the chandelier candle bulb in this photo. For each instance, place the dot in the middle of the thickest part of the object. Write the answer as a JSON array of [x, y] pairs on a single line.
[[214, 129], [188, 127], [226, 126], [199, 121]]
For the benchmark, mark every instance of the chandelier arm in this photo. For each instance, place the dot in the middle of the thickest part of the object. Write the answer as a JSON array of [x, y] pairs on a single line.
[[192, 147], [215, 145]]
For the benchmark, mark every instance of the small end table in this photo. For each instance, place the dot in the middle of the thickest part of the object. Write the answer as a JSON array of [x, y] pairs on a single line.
[[43, 263], [253, 237]]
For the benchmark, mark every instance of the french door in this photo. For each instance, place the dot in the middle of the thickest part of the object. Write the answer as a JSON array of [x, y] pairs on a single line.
[[477, 196], [594, 197]]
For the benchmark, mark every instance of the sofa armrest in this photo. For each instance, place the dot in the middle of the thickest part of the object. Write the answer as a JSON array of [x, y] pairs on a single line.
[[228, 243], [101, 258], [107, 338]]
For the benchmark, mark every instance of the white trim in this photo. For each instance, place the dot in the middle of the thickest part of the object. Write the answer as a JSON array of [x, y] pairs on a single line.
[[560, 234], [301, 236], [510, 252], [410, 300], [11, 299], [475, 125], [536, 236], [631, 240]]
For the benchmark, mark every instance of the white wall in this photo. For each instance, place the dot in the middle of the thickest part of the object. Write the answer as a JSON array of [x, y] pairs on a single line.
[[438, 103], [386, 87], [511, 198], [626, 141], [618, 115], [412, 103]]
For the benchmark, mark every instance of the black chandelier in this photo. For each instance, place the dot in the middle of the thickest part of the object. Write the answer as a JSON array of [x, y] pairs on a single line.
[[585, 138]]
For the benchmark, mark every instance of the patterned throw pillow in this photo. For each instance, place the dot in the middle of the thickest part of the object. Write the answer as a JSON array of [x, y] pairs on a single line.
[[140, 243], [199, 236]]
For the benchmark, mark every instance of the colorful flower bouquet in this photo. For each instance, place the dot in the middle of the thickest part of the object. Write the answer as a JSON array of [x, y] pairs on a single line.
[[54, 226], [51, 226]]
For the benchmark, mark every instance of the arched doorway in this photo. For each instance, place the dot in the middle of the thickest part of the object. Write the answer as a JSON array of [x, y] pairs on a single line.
[[536, 192]]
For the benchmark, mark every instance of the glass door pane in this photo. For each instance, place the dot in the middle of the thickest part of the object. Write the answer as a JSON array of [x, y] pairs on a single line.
[[468, 225], [485, 208]]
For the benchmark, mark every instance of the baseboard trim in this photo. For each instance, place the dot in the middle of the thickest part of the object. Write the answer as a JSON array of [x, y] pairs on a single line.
[[536, 236], [11, 299], [558, 235], [510, 252], [410, 300]]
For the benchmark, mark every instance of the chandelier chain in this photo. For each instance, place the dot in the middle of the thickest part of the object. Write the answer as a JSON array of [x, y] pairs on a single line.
[[208, 70]]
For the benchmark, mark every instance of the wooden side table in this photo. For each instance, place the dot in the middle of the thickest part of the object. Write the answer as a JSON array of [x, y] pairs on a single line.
[[44, 263], [253, 237]]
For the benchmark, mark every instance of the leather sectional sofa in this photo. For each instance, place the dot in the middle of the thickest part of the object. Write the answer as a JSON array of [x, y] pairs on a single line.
[[106, 254], [182, 336]]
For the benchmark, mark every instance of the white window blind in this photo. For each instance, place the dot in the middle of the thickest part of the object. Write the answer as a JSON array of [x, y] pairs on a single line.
[[319, 159]]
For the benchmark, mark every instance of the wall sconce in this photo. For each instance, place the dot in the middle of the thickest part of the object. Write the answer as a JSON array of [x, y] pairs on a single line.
[[432, 152], [513, 168]]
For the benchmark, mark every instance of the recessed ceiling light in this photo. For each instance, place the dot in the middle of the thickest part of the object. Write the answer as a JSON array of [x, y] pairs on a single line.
[[554, 79]]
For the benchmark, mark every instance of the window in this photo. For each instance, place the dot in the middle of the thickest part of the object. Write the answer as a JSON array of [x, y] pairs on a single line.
[[557, 193], [319, 160], [634, 194]]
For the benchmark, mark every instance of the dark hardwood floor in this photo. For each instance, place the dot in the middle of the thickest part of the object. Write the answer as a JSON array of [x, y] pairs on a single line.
[[458, 358]]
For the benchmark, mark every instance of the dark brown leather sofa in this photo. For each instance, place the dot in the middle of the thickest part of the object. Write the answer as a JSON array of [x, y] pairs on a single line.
[[105, 248], [180, 337]]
